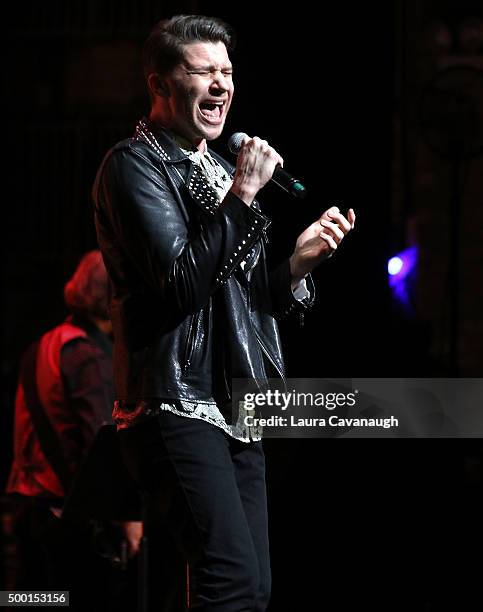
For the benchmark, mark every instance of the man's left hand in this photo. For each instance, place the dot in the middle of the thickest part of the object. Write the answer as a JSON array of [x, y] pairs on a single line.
[[319, 241]]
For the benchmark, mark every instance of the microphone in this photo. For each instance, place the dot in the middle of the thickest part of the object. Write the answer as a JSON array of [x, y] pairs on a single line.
[[281, 178]]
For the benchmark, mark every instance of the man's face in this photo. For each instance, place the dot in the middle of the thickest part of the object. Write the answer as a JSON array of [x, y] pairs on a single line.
[[200, 90]]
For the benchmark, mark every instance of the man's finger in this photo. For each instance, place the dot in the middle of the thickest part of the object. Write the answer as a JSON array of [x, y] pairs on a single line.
[[335, 229], [351, 215], [330, 241], [342, 222]]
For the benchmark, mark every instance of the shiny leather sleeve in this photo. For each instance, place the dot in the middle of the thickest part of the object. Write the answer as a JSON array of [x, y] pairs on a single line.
[[283, 301], [183, 258]]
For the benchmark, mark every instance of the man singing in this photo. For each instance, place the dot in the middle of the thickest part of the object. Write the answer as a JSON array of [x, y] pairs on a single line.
[[194, 306]]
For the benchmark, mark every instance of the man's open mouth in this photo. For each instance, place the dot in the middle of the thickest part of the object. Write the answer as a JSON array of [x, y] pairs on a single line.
[[212, 111]]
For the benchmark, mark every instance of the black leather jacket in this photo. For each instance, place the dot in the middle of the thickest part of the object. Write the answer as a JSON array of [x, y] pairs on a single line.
[[187, 319]]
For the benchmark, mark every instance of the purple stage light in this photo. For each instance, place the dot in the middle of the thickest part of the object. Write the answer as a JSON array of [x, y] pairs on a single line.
[[401, 269], [394, 265]]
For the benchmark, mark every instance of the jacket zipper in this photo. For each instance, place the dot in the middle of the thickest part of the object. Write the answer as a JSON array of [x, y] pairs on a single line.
[[265, 350], [190, 342]]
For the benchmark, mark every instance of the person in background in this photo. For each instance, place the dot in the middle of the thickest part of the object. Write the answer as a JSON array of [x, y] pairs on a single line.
[[63, 397]]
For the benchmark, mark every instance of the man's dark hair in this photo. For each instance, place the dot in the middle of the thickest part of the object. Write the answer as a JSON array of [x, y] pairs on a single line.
[[163, 49]]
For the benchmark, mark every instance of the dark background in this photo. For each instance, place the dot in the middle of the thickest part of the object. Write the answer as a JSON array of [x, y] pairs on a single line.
[[335, 89]]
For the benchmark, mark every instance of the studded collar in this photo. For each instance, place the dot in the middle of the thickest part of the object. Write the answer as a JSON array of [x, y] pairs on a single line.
[[169, 150]]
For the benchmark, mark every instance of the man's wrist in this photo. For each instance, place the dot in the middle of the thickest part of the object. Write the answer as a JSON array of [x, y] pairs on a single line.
[[246, 195], [297, 275]]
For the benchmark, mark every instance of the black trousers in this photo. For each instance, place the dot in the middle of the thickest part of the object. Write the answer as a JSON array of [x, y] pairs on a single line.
[[208, 490]]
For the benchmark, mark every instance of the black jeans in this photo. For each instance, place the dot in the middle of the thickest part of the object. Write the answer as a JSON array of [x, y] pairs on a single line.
[[209, 491]]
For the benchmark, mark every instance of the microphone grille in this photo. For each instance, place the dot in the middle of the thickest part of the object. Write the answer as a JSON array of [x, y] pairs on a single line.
[[235, 142]]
